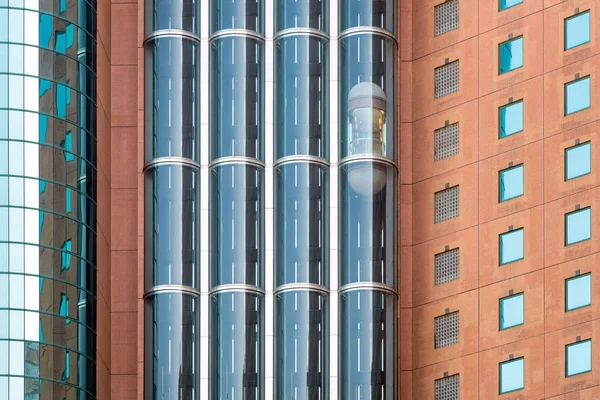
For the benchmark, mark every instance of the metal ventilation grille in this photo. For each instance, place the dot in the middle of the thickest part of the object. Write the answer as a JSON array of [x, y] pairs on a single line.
[[446, 79], [446, 142], [447, 330], [447, 266], [446, 17], [448, 388], [446, 204]]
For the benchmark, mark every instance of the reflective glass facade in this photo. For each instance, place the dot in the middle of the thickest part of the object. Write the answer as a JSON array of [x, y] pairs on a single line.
[[47, 200]]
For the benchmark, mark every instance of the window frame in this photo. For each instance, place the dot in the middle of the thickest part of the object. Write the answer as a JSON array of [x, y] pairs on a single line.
[[567, 149], [500, 263], [520, 37], [514, 103], [579, 14], [500, 369], [521, 294], [500, 199], [500, 9], [567, 226], [567, 84], [567, 346], [567, 309]]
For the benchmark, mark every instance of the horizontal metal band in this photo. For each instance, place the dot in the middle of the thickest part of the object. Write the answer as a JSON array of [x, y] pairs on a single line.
[[306, 287], [170, 33], [237, 160], [367, 157], [301, 159], [361, 30], [301, 31], [233, 287], [352, 287], [237, 32], [171, 161], [171, 289]]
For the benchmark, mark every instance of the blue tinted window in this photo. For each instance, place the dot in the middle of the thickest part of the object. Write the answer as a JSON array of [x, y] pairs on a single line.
[[41, 332], [578, 226], [67, 371], [511, 55], [60, 44], [511, 246], [511, 119], [63, 6], [578, 292], [63, 98], [64, 307], [45, 30], [66, 255], [70, 35], [511, 183], [44, 86], [577, 30], [67, 144], [512, 311], [504, 4], [579, 357], [578, 161], [577, 95], [512, 375], [68, 206]]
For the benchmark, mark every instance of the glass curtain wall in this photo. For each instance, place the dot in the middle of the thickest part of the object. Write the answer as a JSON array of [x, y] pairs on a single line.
[[172, 182], [236, 296], [48, 200], [367, 188], [301, 216]]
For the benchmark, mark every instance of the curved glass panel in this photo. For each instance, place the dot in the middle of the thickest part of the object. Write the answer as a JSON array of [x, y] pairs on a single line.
[[236, 349], [237, 97], [301, 14], [377, 13], [171, 347], [301, 221], [301, 348], [367, 220], [172, 14], [367, 345], [237, 229], [172, 99], [172, 210], [237, 14], [367, 107], [302, 102]]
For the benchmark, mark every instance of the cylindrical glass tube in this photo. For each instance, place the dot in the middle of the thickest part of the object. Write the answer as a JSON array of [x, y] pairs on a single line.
[[172, 14], [171, 330], [301, 350], [236, 353], [367, 90], [237, 14], [171, 98], [171, 229], [311, 14], [237, 97], [302, 108], [372, 13], [301, 224], [367, 345]]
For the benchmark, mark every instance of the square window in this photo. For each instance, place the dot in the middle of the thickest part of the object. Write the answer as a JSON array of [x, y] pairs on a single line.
[[577, 30], [578, 357], [446, 79], [511, 183], [510, 55], [511, 246], [446, 142], [504, 4], [578, 292], [446, 204], [448, 388], [510, 119], [578, 226], [512, 375], [446, 17], [578, 161], [577, 95], [512, 311], [447, 330]]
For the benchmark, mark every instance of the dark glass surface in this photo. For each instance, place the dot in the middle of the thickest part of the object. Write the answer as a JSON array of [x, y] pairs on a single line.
[[301, 224], [377, 13], [237, 231], [172, 226], [237, 97], [301, 346], [172, 347], [367, 58], [367, 219], [172, 14], [171, 117], [237, 14], [367, 345], [301, 14], [237, 346], [302, 104]]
